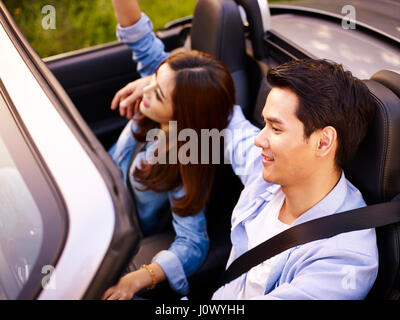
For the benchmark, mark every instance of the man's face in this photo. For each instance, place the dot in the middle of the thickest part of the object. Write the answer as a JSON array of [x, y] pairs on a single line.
[[288, 157]]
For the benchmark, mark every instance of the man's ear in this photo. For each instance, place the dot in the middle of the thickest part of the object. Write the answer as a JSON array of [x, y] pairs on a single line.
[[327, 140]]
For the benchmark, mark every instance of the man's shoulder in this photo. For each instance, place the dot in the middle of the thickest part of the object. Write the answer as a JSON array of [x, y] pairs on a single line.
[[359, 242], [355, 247], [362, 242], [353, 198]]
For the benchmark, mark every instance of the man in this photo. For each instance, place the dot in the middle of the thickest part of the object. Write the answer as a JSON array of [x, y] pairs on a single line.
[[315, 116]]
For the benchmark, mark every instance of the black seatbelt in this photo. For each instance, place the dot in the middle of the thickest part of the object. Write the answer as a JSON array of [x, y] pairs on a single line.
[[358, 219]]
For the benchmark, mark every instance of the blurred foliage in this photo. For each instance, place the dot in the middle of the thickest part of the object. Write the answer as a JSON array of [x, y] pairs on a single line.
[[81, 24], [84, 23]]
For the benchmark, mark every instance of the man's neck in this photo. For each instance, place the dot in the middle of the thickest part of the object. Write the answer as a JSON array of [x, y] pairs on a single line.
[[301, 197]]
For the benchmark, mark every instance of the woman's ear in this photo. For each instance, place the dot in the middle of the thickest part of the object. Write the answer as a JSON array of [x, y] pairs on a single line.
[[327, 141]]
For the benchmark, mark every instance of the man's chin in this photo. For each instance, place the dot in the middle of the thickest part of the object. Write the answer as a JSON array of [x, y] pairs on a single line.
[[268, 177]]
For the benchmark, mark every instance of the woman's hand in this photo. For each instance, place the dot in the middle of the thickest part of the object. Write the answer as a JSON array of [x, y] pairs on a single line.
[[129, 97], [125, 289], [133, 282]]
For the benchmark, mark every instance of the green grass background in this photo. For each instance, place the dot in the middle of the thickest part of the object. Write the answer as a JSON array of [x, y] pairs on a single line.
[[81, 24]]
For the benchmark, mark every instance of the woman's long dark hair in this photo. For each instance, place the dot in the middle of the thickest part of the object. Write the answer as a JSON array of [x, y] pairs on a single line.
[[203, 98]]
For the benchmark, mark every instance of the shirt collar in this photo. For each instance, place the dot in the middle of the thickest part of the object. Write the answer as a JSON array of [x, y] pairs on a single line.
[[328, 205], [269, 192]]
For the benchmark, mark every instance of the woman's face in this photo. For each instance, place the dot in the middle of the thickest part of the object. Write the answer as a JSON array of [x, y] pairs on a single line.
[[157, 96]]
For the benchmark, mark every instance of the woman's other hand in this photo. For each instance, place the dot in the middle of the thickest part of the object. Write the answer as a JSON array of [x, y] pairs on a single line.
[[125, 289], [129, 97], [135, 281]]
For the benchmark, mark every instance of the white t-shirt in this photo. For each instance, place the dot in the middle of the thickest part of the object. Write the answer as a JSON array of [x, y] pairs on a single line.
[[257, 276]]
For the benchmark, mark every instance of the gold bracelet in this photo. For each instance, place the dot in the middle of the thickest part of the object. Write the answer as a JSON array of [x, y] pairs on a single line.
[[153, 276]]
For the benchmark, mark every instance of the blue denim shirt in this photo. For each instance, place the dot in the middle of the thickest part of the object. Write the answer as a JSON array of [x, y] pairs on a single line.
[[147, 50], [191, 244]]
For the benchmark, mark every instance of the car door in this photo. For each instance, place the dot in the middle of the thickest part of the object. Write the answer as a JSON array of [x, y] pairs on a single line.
[[67, 222]]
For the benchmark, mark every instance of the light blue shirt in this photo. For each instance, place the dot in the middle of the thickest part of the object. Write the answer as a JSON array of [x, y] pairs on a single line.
[[341, 267], [147, 50]]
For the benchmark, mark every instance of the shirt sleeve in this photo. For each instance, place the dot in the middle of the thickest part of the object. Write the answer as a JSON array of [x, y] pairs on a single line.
[[188, 251], [339, 275], [148, 51], [240, 150]]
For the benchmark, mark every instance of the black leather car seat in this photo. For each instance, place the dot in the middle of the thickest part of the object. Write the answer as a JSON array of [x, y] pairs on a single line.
[[375, 171], [218, 30]]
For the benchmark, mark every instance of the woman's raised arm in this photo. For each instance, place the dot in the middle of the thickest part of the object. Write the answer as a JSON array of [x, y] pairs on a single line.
[[127, 12], [136, 31]]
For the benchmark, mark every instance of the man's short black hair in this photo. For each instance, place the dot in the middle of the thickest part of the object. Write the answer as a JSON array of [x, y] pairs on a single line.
[[328, 96]]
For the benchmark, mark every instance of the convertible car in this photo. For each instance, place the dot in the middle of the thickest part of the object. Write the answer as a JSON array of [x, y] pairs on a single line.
[[68, 226]]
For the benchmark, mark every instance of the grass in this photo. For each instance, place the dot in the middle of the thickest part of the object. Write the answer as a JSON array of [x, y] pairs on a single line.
[[81, 24]]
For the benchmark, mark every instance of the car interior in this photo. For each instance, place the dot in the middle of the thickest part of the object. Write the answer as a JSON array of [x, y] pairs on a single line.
[[92, 77]]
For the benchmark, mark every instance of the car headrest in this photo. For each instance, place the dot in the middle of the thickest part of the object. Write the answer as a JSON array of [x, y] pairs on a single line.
[[375, 170], [217, 29], [389, 79]]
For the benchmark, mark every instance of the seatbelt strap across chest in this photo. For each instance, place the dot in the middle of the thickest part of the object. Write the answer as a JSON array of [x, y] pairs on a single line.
[[353, 220]]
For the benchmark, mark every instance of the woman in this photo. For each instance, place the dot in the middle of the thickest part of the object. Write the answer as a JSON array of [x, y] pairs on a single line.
[[197, 92]]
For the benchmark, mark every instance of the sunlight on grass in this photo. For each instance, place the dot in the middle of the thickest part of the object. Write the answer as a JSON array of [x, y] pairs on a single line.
[[81, 24]]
